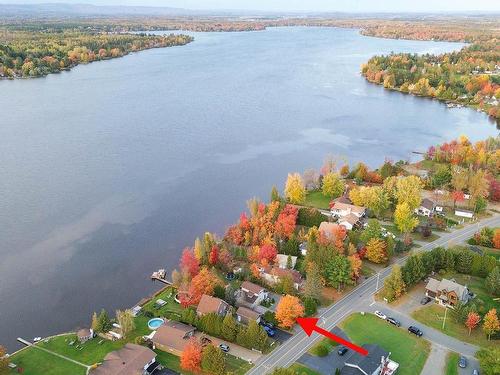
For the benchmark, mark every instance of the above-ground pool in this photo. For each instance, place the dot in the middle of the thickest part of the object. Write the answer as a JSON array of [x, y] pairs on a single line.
[[155, 323]]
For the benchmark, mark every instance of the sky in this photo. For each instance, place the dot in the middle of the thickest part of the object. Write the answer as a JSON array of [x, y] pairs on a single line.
[[302, 5]]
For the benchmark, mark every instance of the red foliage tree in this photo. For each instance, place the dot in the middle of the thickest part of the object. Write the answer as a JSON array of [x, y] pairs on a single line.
[[189, 263], [285, 224], [267, 254], [191, 356], [457, 196], [203, 283], [213, 257], [472, 321], [496, 239], [494, 189]]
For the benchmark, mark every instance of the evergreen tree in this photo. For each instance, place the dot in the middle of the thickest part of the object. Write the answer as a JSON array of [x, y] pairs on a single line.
[[372, 230], [254, 334], [213, 361], [493, 281], [413, 270], [229, 328], [338, 271], [275, 195], [464, 261], [313, 285], [103, 322], [95, 322]]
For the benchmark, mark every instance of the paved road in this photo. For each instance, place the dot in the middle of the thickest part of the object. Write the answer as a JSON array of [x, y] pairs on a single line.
[[356, 300]]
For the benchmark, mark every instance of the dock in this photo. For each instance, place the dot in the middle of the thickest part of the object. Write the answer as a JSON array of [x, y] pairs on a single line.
[[160, 276]]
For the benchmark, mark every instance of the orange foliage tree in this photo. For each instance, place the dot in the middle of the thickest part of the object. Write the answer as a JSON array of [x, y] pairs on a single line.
[[288, 310], [496, 239], [472, 321], [376, 250], [191, 356], [203, 283]]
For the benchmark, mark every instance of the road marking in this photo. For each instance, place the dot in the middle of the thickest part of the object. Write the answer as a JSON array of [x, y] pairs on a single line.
[[373, 303]]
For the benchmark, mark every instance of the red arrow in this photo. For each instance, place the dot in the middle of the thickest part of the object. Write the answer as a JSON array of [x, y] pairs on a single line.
[[310, 324]]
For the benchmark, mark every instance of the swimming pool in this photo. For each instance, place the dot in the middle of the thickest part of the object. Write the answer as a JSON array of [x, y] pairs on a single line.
[[155, 323]]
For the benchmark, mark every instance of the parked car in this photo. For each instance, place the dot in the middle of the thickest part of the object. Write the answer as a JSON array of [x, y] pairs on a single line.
[[425, 300], [380, 315], [205, 341], [224, 347], [263, 323], [270, 332], [342, 350], [462, 362], [475, 372], [397, 323], [415, 330]]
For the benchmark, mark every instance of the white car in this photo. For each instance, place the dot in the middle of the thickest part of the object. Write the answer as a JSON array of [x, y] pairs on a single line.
[[380, 315]]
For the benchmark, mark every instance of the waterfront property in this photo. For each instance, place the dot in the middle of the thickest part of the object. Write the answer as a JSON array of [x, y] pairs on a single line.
[[132, 359], [340, 210], [173, 337], [209, 304]]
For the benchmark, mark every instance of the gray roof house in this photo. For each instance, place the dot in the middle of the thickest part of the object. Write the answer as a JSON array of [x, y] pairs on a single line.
[[377, 362], [447, 292]]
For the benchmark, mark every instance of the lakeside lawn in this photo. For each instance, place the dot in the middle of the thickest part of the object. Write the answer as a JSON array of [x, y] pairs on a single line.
[[433, 316], [316, 199], [234, 365], [408, 350], [34, 361], [452, 364], [303, 370], [171, 310]]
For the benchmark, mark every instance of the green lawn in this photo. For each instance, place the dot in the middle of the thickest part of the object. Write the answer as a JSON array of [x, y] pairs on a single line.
[[171, 310], [415, 236], [37, 362], [452, 363], [303, 370], [234, 365], [433, 316], [366, 270], [316, 199], [327, 343], [408, 350]]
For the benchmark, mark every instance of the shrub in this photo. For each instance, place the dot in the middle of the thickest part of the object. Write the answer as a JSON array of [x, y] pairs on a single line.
[[310, 217], [320, 350], [310, 306]]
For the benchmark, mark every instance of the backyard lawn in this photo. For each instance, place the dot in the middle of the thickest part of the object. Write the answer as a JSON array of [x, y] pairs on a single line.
[[171, 310], [452, 363], [433, 315], [303, 370], [316, 199], [34, 361], [409, 351]]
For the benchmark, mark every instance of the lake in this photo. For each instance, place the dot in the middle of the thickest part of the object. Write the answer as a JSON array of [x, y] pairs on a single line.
[[109, 170]]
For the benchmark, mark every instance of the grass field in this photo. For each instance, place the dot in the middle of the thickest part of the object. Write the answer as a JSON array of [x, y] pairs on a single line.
[[316, 199], [433, 315], [452, 364], [408, 350], [303, 370], [171, 310], [415, 236], [34, 361], [327, 343]]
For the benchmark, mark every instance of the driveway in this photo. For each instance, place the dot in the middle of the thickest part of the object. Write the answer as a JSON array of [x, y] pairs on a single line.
[[281, 336], [436, 362], [235, 350]]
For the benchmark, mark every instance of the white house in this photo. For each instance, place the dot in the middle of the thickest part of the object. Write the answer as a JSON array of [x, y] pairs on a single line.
[[350, 221], [252, 294], [426, 208], [464, 213], [340, 209]]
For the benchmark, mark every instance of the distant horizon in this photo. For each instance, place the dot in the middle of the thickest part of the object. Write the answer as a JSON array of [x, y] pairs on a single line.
[[292, 6]]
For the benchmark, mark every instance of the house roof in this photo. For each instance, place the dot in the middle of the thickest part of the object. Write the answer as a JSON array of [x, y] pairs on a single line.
[[348, 207], [247, 313], [450, 286], [427, 203], [209, 304], [282, 260], [84, 332], [328, 229], [172, 334], [351, 219], [283, 272], [251, 287], [368, 364], [130, 360], [343, 199]]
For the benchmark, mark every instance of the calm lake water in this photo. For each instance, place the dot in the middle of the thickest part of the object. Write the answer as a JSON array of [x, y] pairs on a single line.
[[108, 171]]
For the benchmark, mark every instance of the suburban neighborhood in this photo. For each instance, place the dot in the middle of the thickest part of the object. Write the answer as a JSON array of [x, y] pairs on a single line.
[[401, 266]]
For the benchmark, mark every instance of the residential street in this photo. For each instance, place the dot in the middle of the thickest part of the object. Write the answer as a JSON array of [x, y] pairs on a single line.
[[359, 299]]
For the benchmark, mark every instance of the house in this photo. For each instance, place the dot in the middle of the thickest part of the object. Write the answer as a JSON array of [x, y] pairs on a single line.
[[329, 230], [274, 274], [464, 213], [350, 221], [282, 260], [209, 304], [376, 362], [245, 315], [447, 292], [252, 294], [427, 208], [340, 209], [173, 337], [342, 199], [85, 334], [132, 359]]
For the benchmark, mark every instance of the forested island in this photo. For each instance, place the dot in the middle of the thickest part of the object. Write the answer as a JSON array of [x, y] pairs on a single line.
[[27, 53]]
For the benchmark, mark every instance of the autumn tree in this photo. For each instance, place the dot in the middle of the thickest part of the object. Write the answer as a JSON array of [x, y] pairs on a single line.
[[198, 250], [267, 254], [94, 325], [126, 321], [472, 321], [191, 356], [356, 264], [409, 190], [288, 310], [459, 178], [213, 257], [285, 223], [394, 285], [332, 185], [478, 185], [4, 361], [405, 220], [203, 283], [213, 361], [496, 239], [189, 263], [275, 195], [313, 285], [491, 325], [295, 191], [376, 251], [372, 230]]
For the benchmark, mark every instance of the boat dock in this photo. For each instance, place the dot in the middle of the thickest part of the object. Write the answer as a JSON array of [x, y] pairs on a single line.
[[160, 276]]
